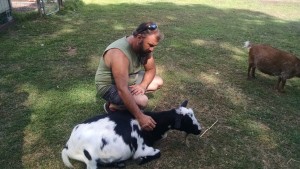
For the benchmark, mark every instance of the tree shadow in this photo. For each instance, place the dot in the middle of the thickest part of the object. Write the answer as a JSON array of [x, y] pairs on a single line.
[[14, 117]]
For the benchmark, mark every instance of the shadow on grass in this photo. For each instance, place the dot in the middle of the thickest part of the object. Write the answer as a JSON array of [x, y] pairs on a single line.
[[47, 82], [14, 118]]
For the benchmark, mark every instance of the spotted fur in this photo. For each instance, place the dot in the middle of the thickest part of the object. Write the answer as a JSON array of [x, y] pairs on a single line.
[[111, 139]]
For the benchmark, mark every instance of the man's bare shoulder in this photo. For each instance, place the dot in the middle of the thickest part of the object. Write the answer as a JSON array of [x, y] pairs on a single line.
[[115, 56], [114, 52]]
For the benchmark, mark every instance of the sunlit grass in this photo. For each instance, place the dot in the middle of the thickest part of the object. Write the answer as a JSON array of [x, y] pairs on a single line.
[[282, 9]]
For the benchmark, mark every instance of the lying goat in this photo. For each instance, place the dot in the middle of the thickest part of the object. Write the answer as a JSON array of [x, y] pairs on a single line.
[[273, 62], [110, 139]]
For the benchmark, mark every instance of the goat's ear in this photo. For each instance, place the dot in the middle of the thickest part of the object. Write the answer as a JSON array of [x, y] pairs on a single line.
[[184, 104]]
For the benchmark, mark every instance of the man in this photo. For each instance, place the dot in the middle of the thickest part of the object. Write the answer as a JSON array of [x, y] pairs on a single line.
[[120, 79]]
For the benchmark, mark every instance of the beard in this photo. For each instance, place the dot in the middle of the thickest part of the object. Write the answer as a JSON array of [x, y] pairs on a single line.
[[142, 53]]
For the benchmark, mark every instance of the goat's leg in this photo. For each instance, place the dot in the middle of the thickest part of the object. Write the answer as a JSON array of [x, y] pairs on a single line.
[[280, 87], [251, 71], [89, 159], [146, 159], [91, 165], [276, 87], [120, 164], [146, 154]]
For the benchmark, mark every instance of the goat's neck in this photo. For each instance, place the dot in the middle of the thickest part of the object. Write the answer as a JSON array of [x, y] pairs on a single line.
[[165, 120]]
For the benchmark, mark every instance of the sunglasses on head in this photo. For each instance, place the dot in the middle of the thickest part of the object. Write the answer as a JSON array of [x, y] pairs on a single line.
[[150, 27]]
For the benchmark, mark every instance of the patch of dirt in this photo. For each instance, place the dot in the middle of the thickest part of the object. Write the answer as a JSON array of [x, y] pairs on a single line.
[[71, 51], [24, 5]]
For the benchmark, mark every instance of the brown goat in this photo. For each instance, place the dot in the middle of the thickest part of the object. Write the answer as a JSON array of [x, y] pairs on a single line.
[[273, 62]]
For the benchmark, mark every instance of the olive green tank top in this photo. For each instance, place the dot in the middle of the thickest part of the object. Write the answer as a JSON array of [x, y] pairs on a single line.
[[104, 77]]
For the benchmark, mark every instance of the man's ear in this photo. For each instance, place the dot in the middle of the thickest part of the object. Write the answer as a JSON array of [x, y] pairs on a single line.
[[140, 37]]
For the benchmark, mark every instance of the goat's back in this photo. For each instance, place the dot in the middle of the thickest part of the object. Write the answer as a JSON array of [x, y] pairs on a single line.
[[272, 61], [107, 138]]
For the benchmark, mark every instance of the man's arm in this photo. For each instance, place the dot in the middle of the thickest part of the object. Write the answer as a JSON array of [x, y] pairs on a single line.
[[150, 72], [118, 63]]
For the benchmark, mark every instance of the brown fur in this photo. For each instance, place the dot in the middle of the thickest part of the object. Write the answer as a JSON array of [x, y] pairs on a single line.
[[273, 62]]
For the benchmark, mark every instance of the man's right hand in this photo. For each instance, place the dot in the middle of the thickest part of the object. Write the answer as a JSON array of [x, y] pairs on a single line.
[[146, 122]]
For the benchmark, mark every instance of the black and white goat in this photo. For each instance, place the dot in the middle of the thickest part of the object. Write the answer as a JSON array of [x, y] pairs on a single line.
[[111, 139]]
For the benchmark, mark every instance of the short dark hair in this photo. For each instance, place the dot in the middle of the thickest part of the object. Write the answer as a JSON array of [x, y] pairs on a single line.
[[145, 29]]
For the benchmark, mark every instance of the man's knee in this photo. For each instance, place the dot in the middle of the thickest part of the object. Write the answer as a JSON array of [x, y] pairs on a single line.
[[155, 84], [141, 101], [159, 82]]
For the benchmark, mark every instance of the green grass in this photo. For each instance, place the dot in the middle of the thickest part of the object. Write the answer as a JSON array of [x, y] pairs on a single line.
[[47, 68]]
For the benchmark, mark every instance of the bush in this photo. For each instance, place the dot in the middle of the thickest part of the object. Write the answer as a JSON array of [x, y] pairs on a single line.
[[73, 5]]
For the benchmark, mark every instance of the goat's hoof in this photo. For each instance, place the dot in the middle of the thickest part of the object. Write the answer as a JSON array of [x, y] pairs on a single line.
[[278, 89], [145, 159], [139, 161], [120, 165]]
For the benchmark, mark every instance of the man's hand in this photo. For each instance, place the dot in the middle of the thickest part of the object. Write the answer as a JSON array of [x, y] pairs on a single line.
[[137, 89], [146, 122]]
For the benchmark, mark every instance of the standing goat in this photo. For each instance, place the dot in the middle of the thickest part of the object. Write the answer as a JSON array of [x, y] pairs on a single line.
[[273, 62], [111, 139]]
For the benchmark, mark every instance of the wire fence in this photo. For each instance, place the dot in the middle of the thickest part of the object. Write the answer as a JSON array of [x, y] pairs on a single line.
[[45, 7]]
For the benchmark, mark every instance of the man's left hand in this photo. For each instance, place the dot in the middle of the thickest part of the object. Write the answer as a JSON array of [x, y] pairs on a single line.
[[137, 89]]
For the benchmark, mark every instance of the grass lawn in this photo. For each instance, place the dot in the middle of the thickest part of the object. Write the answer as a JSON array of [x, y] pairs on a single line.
[[47, 68]]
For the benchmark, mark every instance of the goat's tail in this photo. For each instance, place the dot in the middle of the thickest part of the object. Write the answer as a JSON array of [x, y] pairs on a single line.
[[247, 44], [65, 158]]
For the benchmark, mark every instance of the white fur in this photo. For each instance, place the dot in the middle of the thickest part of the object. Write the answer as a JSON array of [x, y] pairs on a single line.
[[189, 112], [88, 137], [247, 44]]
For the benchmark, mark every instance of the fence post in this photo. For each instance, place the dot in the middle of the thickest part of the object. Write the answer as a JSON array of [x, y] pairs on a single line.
[[60, 3], [38, 3]]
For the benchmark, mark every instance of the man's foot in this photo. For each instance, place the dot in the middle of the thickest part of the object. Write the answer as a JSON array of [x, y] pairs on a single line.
[[107, 109], [110, 108]]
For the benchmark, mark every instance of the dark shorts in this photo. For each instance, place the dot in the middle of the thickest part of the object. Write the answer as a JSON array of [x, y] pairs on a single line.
[[112, 95]]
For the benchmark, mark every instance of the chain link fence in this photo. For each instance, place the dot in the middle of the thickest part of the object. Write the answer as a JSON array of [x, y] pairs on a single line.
[[44, 7]]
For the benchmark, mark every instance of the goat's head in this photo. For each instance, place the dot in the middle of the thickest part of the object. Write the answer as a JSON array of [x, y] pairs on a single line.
[[186, 120]]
